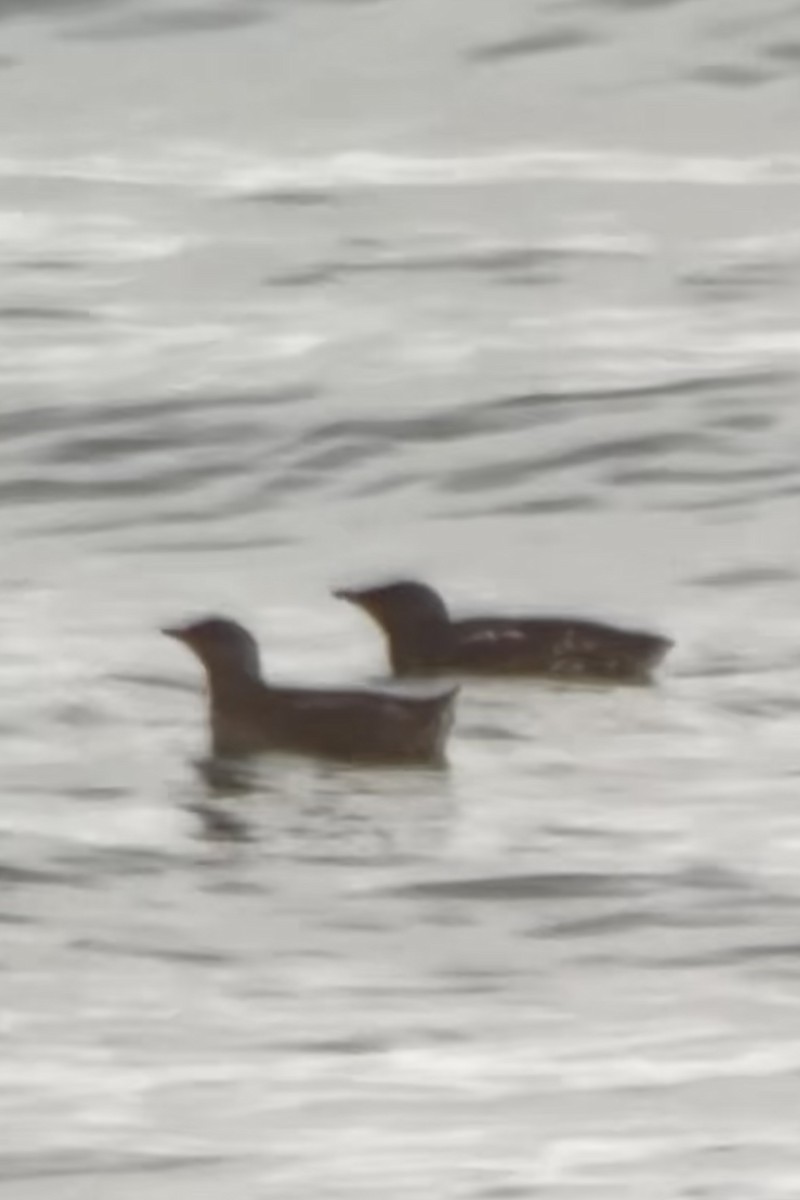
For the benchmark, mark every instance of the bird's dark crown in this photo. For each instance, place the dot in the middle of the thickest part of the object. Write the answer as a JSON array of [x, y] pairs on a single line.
[[221, 645], [402, 601]]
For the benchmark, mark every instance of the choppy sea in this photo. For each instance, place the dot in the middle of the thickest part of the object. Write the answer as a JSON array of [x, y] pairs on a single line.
[[501, 296]]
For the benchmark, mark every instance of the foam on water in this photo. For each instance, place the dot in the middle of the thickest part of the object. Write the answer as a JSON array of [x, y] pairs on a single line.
[[215, 170]]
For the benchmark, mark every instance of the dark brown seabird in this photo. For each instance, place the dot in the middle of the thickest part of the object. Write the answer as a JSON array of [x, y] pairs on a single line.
[[423, 640], [250, 716]]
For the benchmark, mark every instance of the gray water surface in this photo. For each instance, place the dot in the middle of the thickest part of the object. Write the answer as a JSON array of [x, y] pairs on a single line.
[[504, 297]]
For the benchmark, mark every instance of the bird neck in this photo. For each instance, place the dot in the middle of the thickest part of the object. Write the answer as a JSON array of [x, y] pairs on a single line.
[[232, 686], [419, 642]]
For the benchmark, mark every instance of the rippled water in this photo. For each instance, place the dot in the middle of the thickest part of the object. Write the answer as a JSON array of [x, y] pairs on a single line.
[[506, 298]]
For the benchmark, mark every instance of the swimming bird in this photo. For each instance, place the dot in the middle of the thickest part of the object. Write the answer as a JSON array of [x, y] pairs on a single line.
[[248, 715], [423, 639]]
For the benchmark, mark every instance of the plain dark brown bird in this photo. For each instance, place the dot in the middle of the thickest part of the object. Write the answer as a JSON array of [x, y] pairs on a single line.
[[423, 639], [249, 716]]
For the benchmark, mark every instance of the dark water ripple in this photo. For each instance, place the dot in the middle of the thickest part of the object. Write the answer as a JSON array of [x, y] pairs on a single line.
[[239, 14], [68, 1164], [162, 415], [33, 313], [747, 577], [527, 887], [731, 75], [553, 40], [637, 448], [499, 261], [177, 460]]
